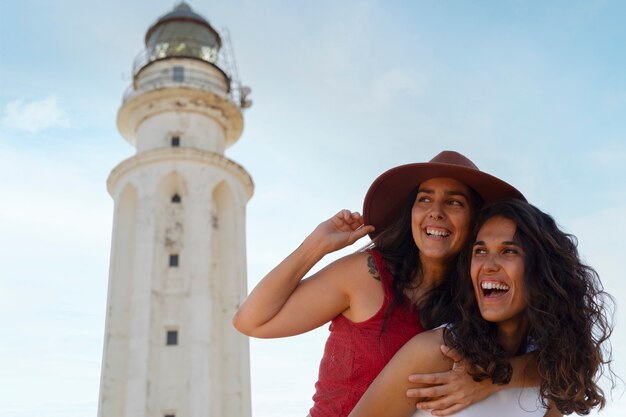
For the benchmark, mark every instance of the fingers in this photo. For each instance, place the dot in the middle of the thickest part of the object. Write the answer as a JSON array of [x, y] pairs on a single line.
[[433, 378], [442, 406], [441, 400], [346, 215], [447, 411], [425, 392], [353, 220], [361, 232], [451, 353]]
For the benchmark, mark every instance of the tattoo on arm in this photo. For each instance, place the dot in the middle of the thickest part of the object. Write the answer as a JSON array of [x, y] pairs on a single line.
[[371, 264]]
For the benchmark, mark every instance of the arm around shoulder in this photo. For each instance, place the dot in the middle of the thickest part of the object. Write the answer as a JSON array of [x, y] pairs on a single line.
[[387, 394]]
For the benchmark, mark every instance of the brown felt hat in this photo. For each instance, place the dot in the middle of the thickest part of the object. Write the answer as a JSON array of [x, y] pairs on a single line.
[[388, 194]]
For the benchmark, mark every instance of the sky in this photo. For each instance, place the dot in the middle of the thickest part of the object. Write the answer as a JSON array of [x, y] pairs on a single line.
[[533, 92]]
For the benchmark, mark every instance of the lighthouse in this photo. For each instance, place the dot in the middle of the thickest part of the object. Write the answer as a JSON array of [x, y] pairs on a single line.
[[178, 254]]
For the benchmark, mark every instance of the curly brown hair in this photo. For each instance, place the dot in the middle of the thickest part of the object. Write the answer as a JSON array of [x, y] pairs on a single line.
[[569, 313]]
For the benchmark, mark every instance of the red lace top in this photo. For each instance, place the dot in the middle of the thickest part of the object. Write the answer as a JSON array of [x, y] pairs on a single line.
[[355, 353]]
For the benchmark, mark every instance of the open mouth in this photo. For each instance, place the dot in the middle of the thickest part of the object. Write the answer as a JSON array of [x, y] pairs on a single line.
[[437, 231], [493, 289]]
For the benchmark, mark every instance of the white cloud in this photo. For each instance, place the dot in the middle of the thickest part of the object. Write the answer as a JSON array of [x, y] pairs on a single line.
[[35, 116]]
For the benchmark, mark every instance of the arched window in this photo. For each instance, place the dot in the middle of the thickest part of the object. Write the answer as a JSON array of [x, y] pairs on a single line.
[[176, 198]]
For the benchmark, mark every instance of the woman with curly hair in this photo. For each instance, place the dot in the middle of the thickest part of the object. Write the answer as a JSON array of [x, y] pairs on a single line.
[[522, 288]]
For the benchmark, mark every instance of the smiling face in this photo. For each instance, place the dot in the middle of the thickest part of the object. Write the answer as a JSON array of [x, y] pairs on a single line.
[[497, 272], [440, 219]]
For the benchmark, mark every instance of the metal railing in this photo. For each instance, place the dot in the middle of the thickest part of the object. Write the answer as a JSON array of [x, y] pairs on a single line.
[[223, 59], [189, 78]]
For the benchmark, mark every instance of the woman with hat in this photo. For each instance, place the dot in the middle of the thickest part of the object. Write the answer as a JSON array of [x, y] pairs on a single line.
[[521, 288], [418, 216]]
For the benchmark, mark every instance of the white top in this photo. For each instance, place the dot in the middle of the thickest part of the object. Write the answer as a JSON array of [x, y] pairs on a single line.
[[509, 402]]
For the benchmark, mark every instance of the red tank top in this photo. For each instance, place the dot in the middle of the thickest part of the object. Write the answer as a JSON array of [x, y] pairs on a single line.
[[355, 353]]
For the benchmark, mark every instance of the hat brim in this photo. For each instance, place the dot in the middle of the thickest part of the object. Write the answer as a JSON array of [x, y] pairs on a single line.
[[388, 194]]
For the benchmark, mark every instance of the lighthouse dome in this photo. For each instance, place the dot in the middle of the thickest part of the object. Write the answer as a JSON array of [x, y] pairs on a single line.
[[182, 33]]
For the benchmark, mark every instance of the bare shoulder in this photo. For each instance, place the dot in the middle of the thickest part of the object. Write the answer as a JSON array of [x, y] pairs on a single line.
[[358, 264], [434, 336], [424, 350], [365, 262], [364, 292]]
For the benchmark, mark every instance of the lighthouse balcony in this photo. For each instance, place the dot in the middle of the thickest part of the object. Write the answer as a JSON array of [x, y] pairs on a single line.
[[180, 73]]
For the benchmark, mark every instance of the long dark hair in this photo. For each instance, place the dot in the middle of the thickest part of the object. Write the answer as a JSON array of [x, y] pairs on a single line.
[[568, 311], [401, 255]]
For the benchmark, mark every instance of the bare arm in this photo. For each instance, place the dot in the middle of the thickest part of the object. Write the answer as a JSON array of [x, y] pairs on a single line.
[[455, 390], [283, 304], [387, 394]]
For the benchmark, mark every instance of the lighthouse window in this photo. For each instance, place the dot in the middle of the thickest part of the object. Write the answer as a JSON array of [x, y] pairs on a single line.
[[178, 74], [174, 261], [171, 337], [175, 141], [175, 198]]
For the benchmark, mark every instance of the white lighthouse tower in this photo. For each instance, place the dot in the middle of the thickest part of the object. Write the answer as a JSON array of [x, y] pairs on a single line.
[[178, 259]]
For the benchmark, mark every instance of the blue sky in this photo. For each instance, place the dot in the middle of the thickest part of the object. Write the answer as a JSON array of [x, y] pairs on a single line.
[[533, 92]]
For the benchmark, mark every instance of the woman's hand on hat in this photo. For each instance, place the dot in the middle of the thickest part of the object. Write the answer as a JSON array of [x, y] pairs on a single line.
[[341, 230]]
